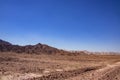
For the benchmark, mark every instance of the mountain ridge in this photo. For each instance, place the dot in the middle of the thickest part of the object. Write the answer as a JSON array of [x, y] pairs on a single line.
[[43, 49], [37, 49]]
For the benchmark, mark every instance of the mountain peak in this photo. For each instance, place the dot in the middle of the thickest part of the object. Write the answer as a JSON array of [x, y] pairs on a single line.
[[36, 49]]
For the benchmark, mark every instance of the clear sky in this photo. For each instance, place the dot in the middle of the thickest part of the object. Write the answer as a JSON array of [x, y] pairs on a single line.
[[92, 25]]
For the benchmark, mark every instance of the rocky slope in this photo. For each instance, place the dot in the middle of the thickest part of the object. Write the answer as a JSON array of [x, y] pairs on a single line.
[[37, 49]]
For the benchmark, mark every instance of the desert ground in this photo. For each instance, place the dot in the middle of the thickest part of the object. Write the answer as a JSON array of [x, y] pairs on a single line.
[[22, 66]]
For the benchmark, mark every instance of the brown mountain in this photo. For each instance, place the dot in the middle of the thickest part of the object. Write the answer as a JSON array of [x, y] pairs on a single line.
[[37, 49]]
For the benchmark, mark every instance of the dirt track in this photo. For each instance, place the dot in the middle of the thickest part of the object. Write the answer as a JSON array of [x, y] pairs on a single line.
[[110, 72]]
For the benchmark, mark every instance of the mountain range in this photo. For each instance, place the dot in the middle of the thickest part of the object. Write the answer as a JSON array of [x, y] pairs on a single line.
[[31, 49]]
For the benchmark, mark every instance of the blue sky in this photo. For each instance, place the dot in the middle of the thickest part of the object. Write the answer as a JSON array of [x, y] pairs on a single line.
[[92, 25]]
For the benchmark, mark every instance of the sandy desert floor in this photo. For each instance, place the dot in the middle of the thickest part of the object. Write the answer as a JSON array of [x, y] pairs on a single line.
[[23, 66]]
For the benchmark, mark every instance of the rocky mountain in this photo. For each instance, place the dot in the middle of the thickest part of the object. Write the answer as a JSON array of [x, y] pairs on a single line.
[[31, 49], [36, 49], [44, 49]]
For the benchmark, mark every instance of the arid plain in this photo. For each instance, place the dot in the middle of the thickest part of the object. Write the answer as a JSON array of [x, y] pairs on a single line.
[[14, 66], [42, 62]]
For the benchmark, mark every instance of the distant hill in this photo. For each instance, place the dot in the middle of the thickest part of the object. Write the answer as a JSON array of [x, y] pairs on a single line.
[[43, 49], [31, 49]]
